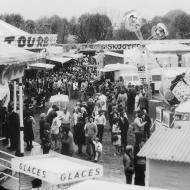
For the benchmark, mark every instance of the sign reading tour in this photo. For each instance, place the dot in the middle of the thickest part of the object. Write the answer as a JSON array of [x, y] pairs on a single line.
[[33, 41]]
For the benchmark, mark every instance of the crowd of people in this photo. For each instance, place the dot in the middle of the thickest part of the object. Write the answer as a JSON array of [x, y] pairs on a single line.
[[100, 104]]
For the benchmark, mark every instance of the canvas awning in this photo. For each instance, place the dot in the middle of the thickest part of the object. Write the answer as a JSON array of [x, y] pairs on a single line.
[[10, 55], [56, 168], [13, 61], [43, 66]]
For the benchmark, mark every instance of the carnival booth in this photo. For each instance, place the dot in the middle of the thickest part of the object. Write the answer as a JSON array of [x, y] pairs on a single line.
[[12, 63], [96, 184], [167, 159], [56, 171], [128, 73]]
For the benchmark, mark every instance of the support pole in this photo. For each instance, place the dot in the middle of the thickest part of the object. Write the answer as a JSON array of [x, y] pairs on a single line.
[[21, 145], [15, 97]]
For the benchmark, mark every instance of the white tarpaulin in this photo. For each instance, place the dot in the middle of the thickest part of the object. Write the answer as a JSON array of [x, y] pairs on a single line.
[[95, 184], [56, 168]]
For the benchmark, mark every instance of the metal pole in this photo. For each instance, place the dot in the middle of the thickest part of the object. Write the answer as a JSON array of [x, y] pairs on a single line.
[[15, 97], [147, 70], [21, 145]]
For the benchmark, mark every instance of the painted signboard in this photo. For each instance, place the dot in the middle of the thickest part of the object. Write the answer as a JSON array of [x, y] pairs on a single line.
[[33, 41]]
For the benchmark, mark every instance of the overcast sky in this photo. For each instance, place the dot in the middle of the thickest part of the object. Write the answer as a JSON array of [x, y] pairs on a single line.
[[34, 9]]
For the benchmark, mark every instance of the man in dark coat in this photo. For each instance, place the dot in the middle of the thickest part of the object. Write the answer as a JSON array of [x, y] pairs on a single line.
[[79, 134], [28, 130], [13, 124], [124, 126]]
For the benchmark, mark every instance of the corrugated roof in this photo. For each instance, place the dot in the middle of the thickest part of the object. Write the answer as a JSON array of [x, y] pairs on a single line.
[[168, 144]]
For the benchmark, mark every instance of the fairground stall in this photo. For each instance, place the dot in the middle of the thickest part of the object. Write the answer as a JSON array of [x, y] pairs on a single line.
[[13, 60], [95, 184], [55, 171], [167, 159]]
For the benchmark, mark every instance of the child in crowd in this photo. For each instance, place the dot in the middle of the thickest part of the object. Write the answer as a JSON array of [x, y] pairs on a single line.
[[98, 149], [116, 137]]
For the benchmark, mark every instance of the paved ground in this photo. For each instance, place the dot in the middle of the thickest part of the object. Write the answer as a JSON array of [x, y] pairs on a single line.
[[113, 167]]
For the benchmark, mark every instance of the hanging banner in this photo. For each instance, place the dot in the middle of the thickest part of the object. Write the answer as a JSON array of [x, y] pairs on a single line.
[[4, 94], [11, 72], [33, 41]]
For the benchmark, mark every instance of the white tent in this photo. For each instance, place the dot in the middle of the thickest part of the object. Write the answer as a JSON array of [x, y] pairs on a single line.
[[95, 184], [10, 30], [56, 168]]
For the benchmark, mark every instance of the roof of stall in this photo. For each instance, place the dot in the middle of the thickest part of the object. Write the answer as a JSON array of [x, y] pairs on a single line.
[[168, 144], [168, 48], [41, 66]]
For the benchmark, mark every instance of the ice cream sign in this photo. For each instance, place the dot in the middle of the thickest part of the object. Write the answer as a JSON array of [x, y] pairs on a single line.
[[57, 169]]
